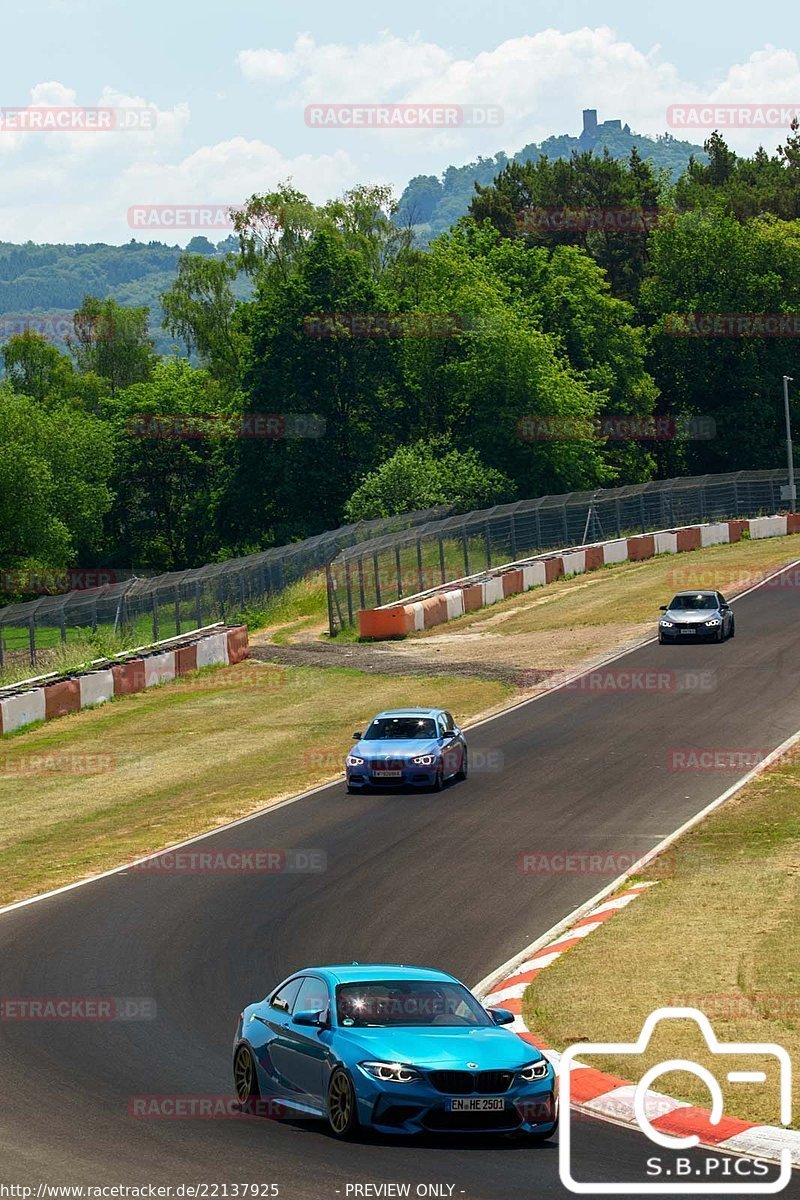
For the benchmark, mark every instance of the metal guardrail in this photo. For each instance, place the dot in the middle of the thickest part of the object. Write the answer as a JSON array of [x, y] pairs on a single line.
[[397, 564], [150, 609]]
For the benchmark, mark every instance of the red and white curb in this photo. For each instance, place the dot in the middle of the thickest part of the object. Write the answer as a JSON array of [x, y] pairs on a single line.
[[610, 1098]]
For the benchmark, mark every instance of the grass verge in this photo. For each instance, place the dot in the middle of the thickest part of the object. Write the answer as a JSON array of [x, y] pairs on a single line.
[[721, 934], [86, 792]]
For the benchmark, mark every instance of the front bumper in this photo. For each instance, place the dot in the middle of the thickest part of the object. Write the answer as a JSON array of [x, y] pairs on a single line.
[[409, 776], [690, 633], [417, 1108]]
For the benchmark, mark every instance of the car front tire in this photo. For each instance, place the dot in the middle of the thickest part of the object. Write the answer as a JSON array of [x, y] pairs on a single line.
[[342, 1106], [245, 1078], [461, 773]]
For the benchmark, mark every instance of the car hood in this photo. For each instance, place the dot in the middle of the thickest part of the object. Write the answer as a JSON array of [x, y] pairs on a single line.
[[396, 748], [690, 616], [441, 1048]]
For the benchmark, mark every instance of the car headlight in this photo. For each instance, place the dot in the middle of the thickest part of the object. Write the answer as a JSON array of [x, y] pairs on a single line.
[[714, 621], [536, 1070], [424, 760], [666, 624], [390, 1072], [353, 760]]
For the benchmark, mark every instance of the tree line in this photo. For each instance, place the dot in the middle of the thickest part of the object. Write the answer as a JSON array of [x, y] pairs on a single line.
[[531, 348]]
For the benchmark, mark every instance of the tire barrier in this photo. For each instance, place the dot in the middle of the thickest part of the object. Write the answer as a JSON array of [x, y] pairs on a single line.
[[450, 600], [35, 700]]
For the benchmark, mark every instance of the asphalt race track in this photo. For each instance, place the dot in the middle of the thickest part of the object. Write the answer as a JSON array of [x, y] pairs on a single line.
[[428, 879]]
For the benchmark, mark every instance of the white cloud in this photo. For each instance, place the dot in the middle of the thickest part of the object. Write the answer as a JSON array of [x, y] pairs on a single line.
[[541, 81]]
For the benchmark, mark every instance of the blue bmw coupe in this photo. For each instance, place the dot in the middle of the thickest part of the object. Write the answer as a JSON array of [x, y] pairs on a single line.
[[417, 747], [396, 1049]]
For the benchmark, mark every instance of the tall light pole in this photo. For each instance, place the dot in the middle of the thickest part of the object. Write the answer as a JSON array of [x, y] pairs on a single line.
[[787, 379]]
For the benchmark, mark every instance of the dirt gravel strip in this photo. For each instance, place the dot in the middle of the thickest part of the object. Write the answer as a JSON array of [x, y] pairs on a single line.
[[382, 662]]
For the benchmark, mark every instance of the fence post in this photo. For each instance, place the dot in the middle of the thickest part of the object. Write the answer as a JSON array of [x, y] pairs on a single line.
[[538, 528], [62, 620], [349, 591], [361, 596], [465, 544], [641, 510], [154, 595], [32, 640], [441, 559], [329, 590], [177, 609], [419, 565], [377, 579], [488, 537], [94, 615], [513, 537], [619, 518], [399, 572], [198, 605], [2, 656]]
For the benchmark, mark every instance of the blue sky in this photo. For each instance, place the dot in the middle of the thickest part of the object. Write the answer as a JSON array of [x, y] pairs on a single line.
[[231, 84]]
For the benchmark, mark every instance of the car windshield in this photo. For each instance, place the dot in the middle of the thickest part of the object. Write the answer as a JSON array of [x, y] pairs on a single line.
[[387, 728], [700, 600], [408, 1002]]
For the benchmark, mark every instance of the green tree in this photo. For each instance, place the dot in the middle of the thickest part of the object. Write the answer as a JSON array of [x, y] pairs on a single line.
[[201, 309], [426, 475], [114, 342]]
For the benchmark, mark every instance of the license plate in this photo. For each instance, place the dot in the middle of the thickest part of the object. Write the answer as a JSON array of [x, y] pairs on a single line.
[[389, 774], [476, 1104], [687, 631]]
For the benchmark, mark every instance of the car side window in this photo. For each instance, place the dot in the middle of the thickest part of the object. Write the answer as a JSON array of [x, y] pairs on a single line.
[[312, 997], [442, 726], [721, 598], [283, 998], [449, 723]]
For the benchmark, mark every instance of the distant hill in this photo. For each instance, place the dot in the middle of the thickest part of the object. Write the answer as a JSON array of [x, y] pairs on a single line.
[[432, 204], [50, 281], [44, 282]]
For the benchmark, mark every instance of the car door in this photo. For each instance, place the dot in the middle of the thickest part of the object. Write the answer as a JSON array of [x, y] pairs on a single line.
[[454, 745], [725, 613], [305, 1049], [266, 1032]]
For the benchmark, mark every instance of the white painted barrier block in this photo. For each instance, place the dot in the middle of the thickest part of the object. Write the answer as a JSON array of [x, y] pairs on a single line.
[[419, 615], [614, 552], [533, 575], [667, 543], [492, 589], [455, 603], [713, 535], [574, 562], [96, 688], [22, 709], [761, 527], [212, 650], [159, 668]]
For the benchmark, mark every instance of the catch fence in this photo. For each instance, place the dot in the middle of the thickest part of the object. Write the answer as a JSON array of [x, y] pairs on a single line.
[[401, 563], [143, 610]]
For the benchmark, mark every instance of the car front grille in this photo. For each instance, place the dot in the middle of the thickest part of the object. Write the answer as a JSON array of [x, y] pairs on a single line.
[[465, 1083]]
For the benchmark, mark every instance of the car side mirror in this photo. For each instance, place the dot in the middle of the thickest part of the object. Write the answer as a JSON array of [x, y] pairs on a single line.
[[308, 1018], [662, 608], [356, 737], [501, 1016]]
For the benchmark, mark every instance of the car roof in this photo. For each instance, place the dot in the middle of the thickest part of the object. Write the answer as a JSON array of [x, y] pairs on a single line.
[[697, 592], [361, 972], [410, 711]]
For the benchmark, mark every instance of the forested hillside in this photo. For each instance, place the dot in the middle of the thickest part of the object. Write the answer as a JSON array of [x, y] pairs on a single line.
[[340, 371]]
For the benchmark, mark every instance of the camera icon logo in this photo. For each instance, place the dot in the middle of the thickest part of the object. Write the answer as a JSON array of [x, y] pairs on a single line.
[[646, 1106]]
